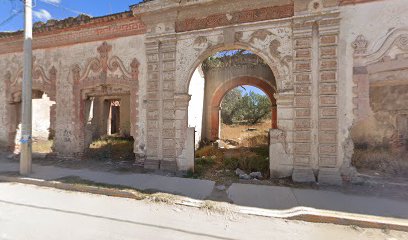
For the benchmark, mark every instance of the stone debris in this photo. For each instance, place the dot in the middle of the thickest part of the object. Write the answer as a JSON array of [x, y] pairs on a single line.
[[257, 175], [244, 176], [239, 172], [220, 187]]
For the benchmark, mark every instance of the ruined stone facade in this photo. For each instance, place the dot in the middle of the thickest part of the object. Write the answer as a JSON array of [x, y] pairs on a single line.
[[330, 59]]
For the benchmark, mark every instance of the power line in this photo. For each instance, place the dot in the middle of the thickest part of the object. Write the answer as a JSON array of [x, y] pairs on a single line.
[[10, 17], [64, 8]]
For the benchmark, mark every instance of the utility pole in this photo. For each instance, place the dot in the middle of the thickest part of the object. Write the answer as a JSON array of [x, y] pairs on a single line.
[[26, 107]]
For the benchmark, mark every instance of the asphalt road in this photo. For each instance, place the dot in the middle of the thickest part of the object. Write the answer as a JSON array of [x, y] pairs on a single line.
[[31, 212]]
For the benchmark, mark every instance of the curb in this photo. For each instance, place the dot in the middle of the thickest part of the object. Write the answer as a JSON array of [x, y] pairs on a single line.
[[298, 213]]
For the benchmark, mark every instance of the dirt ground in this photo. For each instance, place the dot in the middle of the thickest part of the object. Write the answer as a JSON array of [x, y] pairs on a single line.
[[237, 135]]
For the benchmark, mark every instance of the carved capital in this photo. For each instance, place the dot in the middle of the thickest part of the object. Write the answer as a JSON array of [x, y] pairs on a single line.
[[360, 45]]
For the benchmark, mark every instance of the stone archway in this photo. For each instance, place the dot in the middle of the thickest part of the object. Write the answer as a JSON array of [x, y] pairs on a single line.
[[217, 97], [262, 43]]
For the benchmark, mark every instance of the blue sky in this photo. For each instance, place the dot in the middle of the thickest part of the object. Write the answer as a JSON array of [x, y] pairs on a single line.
[[248, 89], [58, 9]]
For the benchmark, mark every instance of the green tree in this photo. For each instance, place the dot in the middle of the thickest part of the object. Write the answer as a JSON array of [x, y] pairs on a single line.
[[254, 107], [250, 108], [230, 106]]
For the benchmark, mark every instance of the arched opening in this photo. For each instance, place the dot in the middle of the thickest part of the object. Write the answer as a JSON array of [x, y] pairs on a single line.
[[220, 93], [215, 77], [245, 118]]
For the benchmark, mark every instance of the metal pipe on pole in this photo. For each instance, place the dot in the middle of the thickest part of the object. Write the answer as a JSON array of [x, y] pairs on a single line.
[[26, 106]]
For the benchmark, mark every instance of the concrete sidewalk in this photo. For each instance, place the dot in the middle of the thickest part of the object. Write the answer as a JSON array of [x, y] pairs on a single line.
[[268, 197]]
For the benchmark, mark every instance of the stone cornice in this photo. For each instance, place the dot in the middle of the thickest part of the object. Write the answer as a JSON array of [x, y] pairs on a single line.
[[71, 22], [72, 31], [150, 6]]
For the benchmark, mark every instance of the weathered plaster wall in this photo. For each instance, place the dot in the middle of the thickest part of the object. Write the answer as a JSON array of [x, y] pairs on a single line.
[[63, 59], [3, 120], [373, 20]]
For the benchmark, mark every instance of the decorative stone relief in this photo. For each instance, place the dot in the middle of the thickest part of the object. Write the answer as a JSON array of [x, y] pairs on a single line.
[[260, 35], [278, 136], [41, 80], [360, 45], [315, 6], [106, 64], [402, 42], [200, 42]]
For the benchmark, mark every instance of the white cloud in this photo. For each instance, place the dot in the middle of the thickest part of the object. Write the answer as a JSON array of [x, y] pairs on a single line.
[[52, 1], [42, 14]]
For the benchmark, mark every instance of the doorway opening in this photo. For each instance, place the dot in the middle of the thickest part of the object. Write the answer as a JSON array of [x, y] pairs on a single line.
[[232, 108], [107, 127], [43, 123]]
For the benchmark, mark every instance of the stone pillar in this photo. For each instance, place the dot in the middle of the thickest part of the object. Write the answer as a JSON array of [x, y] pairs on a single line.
[[303, 81], [13, 119], [162, 115], [53, 119], [184, 135], [329, 163], [281, 139], [274, 112], [125, 116]]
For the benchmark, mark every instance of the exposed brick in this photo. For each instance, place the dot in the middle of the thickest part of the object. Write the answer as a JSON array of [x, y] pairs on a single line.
[[328, 100], [304, 53], [328, 52], [301, 124], [302, 136], [302, 113], [303, 67], [302, 78], [327, 161], [302, 89], [328, 40], [302, 102], [328, 76], [302, 148], [303, 43], [328, 88], [328, 124], [328, 149], [328, 112], [327, 136], [328, 64]]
